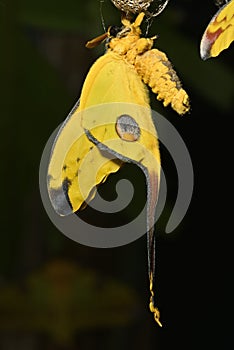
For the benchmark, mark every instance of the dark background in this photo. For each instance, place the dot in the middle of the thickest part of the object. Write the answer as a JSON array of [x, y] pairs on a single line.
[[57, 294]]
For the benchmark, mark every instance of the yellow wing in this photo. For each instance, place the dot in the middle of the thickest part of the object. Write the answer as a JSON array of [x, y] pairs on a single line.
[[219, 33], [109, 81], [112, 125]]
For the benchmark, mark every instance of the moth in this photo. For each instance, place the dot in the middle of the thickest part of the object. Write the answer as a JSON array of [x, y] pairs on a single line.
[[111, 124]]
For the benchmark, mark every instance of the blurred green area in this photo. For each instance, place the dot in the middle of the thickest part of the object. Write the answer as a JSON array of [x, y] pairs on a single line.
[[43, 63], [62, 299]]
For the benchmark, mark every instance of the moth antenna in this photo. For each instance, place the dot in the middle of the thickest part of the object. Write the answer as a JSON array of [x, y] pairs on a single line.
[[101, 15]]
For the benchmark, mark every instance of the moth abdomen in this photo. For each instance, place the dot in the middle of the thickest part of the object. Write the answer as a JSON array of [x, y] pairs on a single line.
[[157, 72]]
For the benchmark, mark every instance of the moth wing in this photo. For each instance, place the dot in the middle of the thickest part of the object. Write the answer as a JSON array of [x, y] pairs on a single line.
[[70, 178], [122, 94], [219, 33], [121, 125], [70, 146]]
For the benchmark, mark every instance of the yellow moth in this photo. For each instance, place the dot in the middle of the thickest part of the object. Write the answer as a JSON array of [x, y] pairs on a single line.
[[219, 33], [98, 143]]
